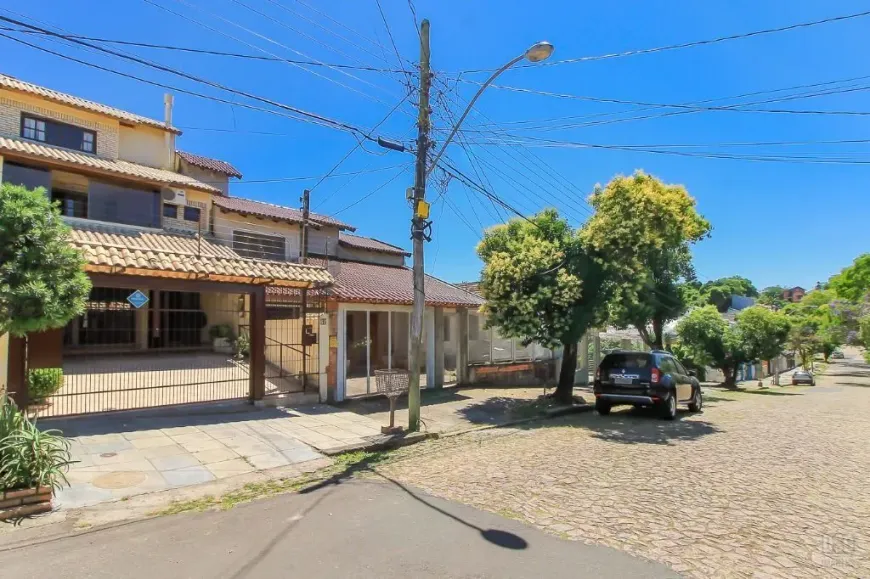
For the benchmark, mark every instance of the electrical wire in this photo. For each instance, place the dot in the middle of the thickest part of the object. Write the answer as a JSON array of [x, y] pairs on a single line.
[[369, 194], [258, 48], [390, 35], [308, 36], [686, 44], [320, 118], [203, 51]]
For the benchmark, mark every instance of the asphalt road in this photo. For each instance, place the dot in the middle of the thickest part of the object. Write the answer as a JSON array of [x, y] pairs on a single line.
[[354, 529]]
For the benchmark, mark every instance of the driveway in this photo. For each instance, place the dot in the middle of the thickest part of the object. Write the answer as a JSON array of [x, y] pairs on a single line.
[[130, 453], [763, 483], [355, 529]]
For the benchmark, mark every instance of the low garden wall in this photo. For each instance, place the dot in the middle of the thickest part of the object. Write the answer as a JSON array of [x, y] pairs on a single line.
[[532, 373]]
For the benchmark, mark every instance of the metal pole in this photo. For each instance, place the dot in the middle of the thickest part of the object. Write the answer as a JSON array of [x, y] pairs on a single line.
[[417, 231]]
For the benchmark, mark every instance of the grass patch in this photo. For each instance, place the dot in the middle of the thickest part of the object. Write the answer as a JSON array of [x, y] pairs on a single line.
[[344, 465]]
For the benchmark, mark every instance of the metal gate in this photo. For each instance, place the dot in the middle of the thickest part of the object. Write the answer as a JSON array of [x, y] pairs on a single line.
[[160, 348], [292, 350]]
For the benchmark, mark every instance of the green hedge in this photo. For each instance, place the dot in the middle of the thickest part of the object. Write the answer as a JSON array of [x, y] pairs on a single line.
[[43, 382]]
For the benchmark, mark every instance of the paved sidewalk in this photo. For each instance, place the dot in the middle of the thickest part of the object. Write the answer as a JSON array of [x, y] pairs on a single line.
[[459, 408], [126, 454]]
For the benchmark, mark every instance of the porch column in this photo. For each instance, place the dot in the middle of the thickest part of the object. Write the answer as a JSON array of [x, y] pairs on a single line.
[[429, 328], [438, 345], [332, 344], [141, 328], [257, 362], [462, 347], [583, 366], [1, 168], [16, 383], [596, 342]]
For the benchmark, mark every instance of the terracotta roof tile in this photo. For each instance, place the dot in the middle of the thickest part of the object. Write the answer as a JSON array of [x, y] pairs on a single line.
[[115, 166], [370, 243], [12, 83], [251, 207], [211, 164], [382, 284], [119, 246]]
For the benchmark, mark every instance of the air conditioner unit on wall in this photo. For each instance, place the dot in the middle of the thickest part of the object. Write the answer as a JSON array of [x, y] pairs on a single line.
[[176, 196]]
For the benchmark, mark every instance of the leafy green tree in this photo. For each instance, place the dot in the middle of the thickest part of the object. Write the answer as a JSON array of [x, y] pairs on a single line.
[[853, 283], [643, 229], [710, 340], [542, 285], [42, 281], [865, 331], [707, 338], [772, 296], [764, 333]]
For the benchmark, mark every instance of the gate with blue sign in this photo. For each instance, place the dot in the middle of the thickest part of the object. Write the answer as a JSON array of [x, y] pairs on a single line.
[[141, 348]]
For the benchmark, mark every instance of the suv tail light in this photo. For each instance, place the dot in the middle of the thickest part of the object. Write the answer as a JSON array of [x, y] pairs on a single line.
[[597, 373], [655, 376]]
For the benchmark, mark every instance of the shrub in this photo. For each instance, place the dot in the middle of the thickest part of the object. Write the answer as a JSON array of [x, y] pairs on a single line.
[[43, 382], [30, 457], [243, 346], [221, 331]]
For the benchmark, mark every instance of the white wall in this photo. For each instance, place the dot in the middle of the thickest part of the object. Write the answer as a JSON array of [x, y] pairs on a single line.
[[143, 145]]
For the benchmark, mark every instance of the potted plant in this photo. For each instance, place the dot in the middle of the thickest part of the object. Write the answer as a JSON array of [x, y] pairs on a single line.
[[222, 338], [243, 347], [33, 463]]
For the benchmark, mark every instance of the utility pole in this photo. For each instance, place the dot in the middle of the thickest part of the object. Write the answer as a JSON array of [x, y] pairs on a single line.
[[418, 225], [303, 253]]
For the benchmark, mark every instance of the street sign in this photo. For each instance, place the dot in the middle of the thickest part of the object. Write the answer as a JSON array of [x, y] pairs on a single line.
[[137, 299]]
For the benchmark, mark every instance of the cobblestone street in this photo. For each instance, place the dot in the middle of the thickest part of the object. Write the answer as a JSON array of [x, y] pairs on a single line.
[[770, 483]]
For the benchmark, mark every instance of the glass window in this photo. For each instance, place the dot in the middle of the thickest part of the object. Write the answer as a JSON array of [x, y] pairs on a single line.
[[34, 129], [192, 214], [170, 211], [71, 203], [119, 204], [88, 141]]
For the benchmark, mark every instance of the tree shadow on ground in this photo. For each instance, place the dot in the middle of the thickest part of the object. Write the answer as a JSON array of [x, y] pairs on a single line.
[[852, 384], [644, 426], [500, 409], [378, 404], [770, 393]]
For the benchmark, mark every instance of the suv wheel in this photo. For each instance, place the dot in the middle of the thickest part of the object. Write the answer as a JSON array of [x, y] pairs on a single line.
[[697, 401], [669, 407], [602, 407]]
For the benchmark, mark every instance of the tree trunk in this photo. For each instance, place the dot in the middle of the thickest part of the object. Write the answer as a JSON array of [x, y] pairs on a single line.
[[565, 390], [658, 328], [730, 376]]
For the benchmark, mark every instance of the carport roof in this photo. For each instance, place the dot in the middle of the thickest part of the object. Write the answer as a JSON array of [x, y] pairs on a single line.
[[126, 250]]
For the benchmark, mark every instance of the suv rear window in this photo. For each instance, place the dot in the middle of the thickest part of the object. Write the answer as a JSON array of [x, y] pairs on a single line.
[[628, 360]]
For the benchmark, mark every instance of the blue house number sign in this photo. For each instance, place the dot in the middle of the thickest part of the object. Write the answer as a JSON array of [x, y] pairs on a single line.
[[137, 299]]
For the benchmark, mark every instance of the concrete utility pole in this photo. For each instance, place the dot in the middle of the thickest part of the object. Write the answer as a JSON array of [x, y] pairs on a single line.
[[417, 226], [303, 310]]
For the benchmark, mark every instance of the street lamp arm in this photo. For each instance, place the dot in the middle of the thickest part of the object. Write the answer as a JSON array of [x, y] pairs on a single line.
[[482, 88]]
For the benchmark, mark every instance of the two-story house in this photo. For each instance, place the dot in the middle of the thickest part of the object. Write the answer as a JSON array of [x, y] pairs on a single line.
[[198, 295]]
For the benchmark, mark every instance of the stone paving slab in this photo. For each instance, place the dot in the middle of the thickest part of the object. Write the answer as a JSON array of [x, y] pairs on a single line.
[[126, 454]]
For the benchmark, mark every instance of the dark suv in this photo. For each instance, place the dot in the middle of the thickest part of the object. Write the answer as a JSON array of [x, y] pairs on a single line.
[[645, 379]]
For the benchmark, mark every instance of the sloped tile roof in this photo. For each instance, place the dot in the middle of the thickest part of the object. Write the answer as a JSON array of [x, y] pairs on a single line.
[[470, 286], [12, 83], [110, 247], [270, 211], [383, 284], [211, 164], [370, 244], [115, 166]]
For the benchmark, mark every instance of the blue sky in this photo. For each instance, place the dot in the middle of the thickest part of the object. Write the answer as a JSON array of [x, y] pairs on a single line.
[[775, 223]]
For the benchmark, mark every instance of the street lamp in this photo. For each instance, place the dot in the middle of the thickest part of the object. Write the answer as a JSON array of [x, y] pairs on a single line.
[[535, 53]]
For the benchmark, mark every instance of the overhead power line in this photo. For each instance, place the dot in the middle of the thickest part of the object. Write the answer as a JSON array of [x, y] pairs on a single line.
[[204, 51], [314, 116], [688, 44]]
